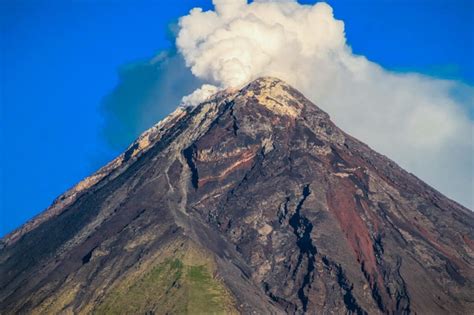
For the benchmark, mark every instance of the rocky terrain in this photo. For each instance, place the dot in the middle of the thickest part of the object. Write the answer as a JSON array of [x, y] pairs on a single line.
[[252, 202]]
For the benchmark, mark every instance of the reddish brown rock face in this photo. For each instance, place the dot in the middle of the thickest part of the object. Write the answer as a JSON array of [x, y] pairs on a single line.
[[298, 216]]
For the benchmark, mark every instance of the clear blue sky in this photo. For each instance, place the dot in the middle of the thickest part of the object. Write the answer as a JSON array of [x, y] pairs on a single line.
[[59, 59]]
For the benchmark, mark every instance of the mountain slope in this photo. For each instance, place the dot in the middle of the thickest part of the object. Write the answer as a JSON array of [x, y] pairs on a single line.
[[251, 202]]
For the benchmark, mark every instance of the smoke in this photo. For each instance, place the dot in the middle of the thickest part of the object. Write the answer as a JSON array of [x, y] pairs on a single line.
[[147, 91], [416, 120], [199, 95]]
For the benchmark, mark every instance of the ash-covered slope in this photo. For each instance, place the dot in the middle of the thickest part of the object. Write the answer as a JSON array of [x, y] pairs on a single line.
[[251, 202]]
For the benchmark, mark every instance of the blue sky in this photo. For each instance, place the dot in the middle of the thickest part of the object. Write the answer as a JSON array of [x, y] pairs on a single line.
[[60, 59]]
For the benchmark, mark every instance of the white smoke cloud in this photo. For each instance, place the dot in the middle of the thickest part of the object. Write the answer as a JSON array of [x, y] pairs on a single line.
[[413, 119], [199, 95]]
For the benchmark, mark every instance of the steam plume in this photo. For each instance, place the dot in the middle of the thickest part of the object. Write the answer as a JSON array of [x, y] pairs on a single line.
[[414, 119]]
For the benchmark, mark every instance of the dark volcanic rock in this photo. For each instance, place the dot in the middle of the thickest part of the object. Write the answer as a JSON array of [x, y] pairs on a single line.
[[287, 213]]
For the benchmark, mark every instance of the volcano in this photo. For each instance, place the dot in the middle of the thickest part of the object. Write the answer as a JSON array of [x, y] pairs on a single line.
[[251, 202]]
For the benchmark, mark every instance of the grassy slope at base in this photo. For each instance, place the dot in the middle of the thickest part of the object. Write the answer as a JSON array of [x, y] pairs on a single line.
[[183, 284]]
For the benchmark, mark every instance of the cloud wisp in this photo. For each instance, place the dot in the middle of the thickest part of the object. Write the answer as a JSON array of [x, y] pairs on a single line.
[[416, 120], [146, 92]]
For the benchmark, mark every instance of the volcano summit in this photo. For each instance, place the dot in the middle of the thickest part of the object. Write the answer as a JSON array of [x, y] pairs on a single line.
[[251, 202]]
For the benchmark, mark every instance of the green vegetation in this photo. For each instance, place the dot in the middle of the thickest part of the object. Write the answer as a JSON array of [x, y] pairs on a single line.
[[204, 291], [171, 287]]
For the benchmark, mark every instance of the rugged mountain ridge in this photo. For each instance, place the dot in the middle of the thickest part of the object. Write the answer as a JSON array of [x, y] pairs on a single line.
[[253, 201]]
